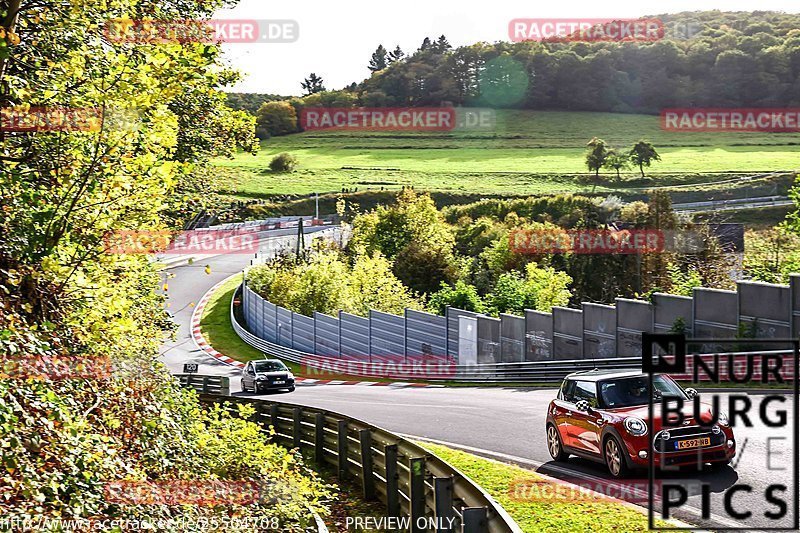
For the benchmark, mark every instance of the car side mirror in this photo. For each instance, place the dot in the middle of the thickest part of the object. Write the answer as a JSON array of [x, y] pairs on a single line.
[[582, 405], [692, 393]]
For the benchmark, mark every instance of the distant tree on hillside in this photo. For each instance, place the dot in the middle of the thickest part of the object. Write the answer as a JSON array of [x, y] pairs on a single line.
[[378, 60], [596, 157], [312, 84], [426, 45], [617, 161], [441, 45], [275, 118], [643, 154], [396, 55]]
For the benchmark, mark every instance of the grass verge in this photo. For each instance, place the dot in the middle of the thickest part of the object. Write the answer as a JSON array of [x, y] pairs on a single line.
[[500, 479], [215, 324]]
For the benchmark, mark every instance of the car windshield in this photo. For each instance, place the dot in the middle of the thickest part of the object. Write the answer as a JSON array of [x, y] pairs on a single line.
[[630, 392], [270, 366]]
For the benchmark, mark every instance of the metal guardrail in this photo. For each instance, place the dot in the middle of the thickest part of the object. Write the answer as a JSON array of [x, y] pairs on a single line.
[[409, 480], [735, 204], [206, 384]]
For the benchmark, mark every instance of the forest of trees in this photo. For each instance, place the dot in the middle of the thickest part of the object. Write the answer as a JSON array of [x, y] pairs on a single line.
[[736, 59], [733, 59]]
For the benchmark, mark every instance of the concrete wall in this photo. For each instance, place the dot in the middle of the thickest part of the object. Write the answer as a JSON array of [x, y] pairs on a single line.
[[426, 334], [488, 340], [539, 335], [327, 335], [512, 338], [599, 331], [567, 333], [715, 313], [303, 333], [794, 284], [467, 340], [633, 318], [284, 327], [453, 315], [670, 311], [354, 336], [765, 310]]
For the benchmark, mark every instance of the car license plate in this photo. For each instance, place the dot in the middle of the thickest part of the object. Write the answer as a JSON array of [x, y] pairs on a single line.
[[278, 382], [692, 443]]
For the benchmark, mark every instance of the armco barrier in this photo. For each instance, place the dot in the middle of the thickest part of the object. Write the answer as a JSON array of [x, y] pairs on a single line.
[[206, 384], [406, 478]]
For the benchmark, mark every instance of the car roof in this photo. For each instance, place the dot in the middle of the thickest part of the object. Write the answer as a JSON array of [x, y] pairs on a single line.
[[597, 374], [267, 361]]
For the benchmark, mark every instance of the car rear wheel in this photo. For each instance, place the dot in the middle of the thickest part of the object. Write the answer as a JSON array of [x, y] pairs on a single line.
[[615, 461], [554, 445]]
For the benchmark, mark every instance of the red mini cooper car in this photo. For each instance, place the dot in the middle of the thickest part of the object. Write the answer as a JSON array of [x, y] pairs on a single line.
[[602, 415]]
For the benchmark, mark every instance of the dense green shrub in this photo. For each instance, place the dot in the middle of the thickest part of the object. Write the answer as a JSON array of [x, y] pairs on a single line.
[[283, 162], [460, 296], [539, 289], [771, 255]]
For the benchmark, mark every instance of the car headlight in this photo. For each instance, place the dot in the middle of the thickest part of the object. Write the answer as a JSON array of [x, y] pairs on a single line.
[[635, 426], [290, 376], [722, 418], [261, 378]]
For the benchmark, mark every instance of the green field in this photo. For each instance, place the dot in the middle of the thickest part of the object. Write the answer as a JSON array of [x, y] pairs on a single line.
[[527, 153]]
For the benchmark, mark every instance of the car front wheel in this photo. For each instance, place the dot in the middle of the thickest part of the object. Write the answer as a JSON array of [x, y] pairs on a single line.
[[554, 444], [615, 461]]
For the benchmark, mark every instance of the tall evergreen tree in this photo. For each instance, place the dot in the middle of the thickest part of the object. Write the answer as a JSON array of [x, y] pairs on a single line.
[[441, 45], [396, 55], [312, 84], [378, 61], [426, 45]]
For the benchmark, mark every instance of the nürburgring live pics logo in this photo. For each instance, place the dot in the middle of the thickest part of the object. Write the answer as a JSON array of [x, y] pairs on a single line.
[[764, 369]]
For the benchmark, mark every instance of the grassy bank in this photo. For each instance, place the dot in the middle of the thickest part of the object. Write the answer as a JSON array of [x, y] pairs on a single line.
[[215, 324], [502, 482], [528, 152]]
